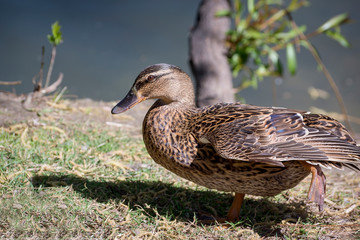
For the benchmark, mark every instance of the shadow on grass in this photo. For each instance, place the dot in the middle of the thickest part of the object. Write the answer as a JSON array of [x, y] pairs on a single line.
[[181, 203]]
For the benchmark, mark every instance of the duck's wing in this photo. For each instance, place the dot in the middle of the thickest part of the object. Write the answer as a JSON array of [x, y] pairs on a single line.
[[274, 135], [341, 152], [328, 124]]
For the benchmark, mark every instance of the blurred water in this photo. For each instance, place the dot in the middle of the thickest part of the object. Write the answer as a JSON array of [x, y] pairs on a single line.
[[107, 43]]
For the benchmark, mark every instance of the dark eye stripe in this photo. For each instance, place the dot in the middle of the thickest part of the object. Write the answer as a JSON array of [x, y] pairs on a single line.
[[164, 74]]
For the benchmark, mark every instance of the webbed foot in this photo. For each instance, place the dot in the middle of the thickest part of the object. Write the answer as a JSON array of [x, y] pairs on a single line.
[[317, 186]]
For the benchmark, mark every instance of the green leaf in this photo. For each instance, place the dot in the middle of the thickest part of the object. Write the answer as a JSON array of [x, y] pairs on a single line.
[[279, 67], [235, 59], [251, 6], [292, 33], [56, 29], [273, 56], [56, 37], [333, 22], [245, 83], [254, 81], [338, 37], [242, 26], [277, 16], [236, 70], [274, 2], [293, 5], [223, 13], [238, 10], [238, 5], [296, 4], [250, 33], [291, 58], [262, 71], [275, 60]]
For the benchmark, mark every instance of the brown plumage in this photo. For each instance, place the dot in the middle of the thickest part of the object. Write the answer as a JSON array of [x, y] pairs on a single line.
[[237, 147]]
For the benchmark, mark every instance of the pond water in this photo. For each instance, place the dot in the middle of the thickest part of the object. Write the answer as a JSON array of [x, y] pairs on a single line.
[[107, 43]]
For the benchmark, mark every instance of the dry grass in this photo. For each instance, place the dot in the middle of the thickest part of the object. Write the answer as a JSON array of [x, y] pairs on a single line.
[[66, 174]]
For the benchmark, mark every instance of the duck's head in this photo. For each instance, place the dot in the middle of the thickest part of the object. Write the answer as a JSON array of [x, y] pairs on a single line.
[[160, 81]]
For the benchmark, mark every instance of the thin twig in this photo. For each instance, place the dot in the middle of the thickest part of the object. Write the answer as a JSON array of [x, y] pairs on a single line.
[[326, 73], [295, 40], [38, 85], [10, 83], [41, 66], [51, 66]]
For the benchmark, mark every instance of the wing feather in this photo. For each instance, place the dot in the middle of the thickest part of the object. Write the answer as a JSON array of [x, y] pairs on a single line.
[[273, 135]]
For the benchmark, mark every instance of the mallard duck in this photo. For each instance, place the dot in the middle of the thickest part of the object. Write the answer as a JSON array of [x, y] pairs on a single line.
[[236, 147]]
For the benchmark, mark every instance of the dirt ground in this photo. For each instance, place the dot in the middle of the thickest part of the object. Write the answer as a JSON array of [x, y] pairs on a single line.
[[13, 111]]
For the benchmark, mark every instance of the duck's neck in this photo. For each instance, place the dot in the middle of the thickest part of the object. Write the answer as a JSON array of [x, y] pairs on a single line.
[[181, 93], [176, 104]]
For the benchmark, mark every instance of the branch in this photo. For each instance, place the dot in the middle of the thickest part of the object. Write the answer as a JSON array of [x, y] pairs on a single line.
[[33, 95], [10, 83], [41, 66], [38, 85], [326, 73], [51, 66], [53, 86]]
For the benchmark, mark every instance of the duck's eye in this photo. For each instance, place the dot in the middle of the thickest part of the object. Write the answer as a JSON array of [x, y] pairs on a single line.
[[150, 78]]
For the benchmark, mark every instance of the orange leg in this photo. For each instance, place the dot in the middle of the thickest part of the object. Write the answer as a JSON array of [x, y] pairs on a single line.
[[232, 216], [234, 211], [317, 186]]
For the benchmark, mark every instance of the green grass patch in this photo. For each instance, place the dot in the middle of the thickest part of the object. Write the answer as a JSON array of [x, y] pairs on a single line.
[[63, 179]]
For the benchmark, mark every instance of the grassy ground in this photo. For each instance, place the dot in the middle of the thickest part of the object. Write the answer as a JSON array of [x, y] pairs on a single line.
[[72, 171]]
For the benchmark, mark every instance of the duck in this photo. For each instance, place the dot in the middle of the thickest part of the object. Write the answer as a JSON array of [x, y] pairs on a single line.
[[235, 147]]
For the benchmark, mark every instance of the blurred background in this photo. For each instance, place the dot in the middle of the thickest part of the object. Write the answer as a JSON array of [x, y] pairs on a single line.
[[107, 43]]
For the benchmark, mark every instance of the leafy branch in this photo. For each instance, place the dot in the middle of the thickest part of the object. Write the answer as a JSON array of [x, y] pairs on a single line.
[[264, 27], [326, 28], [55, 39]]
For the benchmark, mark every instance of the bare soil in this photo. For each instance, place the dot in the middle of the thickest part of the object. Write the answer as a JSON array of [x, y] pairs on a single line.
[[79, 110]]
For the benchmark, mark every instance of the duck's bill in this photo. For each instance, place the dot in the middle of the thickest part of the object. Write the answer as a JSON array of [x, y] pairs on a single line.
[[128, 102]]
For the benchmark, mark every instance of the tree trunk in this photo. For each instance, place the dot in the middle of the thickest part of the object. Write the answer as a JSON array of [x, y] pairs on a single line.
[[208, 54]]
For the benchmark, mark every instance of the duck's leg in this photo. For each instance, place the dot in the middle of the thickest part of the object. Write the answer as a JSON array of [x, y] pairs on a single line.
[[232, 216], [234, 211], [317, 186]]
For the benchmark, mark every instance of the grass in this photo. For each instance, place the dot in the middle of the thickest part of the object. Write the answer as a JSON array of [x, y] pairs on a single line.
[[68, 175]]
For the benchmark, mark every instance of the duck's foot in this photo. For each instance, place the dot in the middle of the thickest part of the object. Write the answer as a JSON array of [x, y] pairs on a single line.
[[232, 216], [317, 186]]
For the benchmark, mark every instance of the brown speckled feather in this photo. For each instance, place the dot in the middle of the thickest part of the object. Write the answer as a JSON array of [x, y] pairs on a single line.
[[273, 135]]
